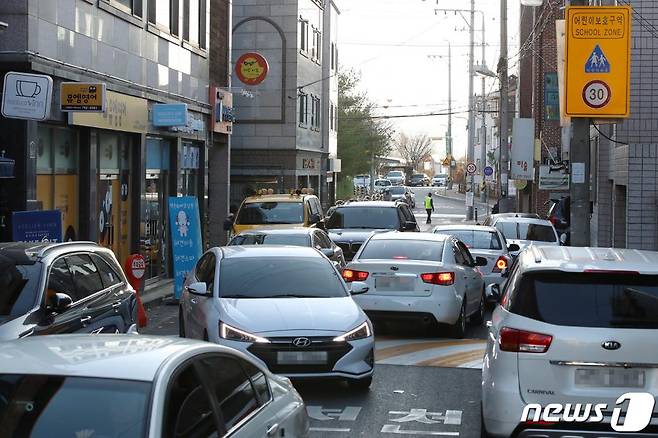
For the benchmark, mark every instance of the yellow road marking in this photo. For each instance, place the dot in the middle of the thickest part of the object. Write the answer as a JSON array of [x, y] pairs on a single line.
[[399, 350]]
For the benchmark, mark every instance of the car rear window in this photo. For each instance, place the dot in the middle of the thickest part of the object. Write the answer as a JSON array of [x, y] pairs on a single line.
[[527, 231], [257, 213], [279, 277], [18, 287], [588, 299], [364, 218], [403, 250], [271, 239], [397, 190], [40, 406], [475, 239]]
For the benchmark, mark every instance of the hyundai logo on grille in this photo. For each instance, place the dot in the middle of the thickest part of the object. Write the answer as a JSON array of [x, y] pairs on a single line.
[[301, 342], [611, 345]]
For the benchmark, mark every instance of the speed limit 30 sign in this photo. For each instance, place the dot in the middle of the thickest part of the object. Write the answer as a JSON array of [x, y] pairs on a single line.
[[596, 94]]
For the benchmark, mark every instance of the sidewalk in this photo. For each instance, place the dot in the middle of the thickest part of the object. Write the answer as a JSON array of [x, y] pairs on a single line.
[[158, 291], [483, 209]]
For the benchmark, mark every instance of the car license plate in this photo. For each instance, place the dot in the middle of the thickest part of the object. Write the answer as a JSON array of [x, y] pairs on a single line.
[[610, 377], [301, 357], [394, 283]]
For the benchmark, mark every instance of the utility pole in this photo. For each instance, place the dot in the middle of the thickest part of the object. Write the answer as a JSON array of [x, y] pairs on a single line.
[[579, 157], [504, 114], [449, 136], [483, 134], [471, 112]]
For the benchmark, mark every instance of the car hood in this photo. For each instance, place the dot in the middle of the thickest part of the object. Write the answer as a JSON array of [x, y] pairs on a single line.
[[339, 314], [351, 235]]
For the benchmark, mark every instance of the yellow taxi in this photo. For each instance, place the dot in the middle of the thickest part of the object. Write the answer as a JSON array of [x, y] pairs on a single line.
[[270, 211]]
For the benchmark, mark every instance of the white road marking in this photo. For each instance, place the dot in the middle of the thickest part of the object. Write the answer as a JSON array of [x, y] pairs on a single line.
[[329, 429], [397, 429]]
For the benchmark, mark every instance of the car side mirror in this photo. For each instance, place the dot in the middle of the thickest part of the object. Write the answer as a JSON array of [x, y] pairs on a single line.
[[480, 261], [563, 239], [60, 302], [358, 288], [314, 218], [200, 288], [409, 226], [513, 247], [492, 292]]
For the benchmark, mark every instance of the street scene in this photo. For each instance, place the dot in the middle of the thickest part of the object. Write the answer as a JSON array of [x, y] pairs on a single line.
[[328, 218]]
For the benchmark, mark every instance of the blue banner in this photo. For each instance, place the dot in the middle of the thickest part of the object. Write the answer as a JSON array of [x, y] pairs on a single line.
[[186, 242], [169, 114], [36, 226]]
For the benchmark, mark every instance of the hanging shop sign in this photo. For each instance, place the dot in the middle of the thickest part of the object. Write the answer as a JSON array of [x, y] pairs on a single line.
[[251, 68], [36, 226], [122, 113], [169, 114], [27, 96], [553, 179], [523, 150], [223, 114], [84, 97]]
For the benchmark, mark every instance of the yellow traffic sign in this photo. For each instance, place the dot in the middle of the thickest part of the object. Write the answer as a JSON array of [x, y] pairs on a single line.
[[598, 61], [84, 97]]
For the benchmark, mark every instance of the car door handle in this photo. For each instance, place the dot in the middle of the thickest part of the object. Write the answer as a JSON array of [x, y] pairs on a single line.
[[193, 300], [116, 305], [84, 320], [273, 429]]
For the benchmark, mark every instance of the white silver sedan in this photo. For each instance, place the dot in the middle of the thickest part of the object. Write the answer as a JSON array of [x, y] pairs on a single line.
[[422, 277], [140, 386], [485, 242]]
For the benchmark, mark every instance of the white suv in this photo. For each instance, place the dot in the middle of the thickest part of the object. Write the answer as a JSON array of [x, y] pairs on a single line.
[[576, 328]]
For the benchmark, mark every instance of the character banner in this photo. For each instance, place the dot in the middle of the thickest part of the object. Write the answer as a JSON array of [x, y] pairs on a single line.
[[186, 242]]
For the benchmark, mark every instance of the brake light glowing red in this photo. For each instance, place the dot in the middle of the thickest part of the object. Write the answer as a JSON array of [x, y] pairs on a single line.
[[439, 278], [520, 341], [501, 264], [352, 275]]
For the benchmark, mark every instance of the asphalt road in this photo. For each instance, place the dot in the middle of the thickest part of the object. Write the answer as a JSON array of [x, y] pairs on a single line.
[[424, 384]]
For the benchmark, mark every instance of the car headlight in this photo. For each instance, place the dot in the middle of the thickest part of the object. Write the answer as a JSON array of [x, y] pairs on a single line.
[[234, 334], [362, 331]]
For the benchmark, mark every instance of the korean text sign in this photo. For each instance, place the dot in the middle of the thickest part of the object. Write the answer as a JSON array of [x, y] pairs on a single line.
[[186, 242]]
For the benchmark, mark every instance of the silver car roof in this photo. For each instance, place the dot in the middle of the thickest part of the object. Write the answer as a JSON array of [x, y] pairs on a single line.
[[577, 259]]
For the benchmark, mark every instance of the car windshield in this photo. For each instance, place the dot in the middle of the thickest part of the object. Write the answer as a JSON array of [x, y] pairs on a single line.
[[271, 239], [398, 190], [403, 250], [364, 217], [595, 300], [382, 182], [440, 175], [256, 213], [475, 239], [526, 231], [418, 176], [279, 277], [394, 174], [18, 287], [43, 406]]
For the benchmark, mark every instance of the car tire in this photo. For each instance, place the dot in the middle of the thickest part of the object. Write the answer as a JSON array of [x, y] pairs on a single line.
[[360, 384], [181, 324], [478, 317], [458, 329]]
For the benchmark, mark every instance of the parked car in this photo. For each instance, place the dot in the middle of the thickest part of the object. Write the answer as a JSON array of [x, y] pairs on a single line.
[[396, 177], [490, 220], [362, 181], [575, 327], [381, 184], [424, 278], [287, 307], [560, 216], [311, 237], [351, 223], [418, 179], [440, 180], [485, 242], [141, 386], [527, 231], [75, 287]]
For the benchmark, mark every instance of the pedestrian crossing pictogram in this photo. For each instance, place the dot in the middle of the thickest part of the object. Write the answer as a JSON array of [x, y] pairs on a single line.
[[597, 62]]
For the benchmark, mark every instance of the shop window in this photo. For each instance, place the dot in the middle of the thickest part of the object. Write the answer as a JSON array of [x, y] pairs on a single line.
[[194, 22], [303, 35], [57, 175], [165, 14], [189, 162], [303, 109], [132, 7]]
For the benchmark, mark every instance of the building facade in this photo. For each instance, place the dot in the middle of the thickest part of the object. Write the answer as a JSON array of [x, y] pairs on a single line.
[[285, 133], [111, 173]]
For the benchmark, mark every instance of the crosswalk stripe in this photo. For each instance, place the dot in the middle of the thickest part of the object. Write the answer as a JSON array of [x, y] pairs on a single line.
[[413, 347], [454, 360]]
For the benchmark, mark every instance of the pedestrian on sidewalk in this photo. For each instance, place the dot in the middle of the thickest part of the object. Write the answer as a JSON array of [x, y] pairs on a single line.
[[429, 207]]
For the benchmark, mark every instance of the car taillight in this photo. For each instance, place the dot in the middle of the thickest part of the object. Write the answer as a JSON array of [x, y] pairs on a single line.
[[439, 278], [500, 264], [352, 275], [520, 341]]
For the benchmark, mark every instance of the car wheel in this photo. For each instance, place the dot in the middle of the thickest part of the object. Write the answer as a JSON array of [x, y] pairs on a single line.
[[181, 325], [360, 384], [458, 329], [478, 317]]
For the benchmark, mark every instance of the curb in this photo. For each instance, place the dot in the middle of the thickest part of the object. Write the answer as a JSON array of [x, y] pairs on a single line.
[[158, 291]]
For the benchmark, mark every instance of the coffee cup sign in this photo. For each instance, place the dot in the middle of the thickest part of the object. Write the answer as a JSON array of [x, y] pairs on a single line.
[[26, 96]]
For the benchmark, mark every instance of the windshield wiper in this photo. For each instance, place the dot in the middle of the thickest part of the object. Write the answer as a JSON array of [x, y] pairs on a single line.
[[292, 296], [236, 296]]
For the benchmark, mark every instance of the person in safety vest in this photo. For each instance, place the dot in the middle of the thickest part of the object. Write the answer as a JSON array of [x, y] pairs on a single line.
[[429, 207]]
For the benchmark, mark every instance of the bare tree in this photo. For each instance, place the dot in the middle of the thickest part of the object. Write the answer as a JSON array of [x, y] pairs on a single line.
[[414, 150]]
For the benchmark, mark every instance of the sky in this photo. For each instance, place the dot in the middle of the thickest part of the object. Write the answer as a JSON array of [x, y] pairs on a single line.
[[389, 43]]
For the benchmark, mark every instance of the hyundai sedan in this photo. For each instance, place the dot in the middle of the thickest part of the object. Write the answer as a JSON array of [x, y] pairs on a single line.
[[286, 306]]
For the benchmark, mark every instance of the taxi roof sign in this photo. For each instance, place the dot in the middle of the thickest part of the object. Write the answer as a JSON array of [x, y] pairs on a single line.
[[598, 61]]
